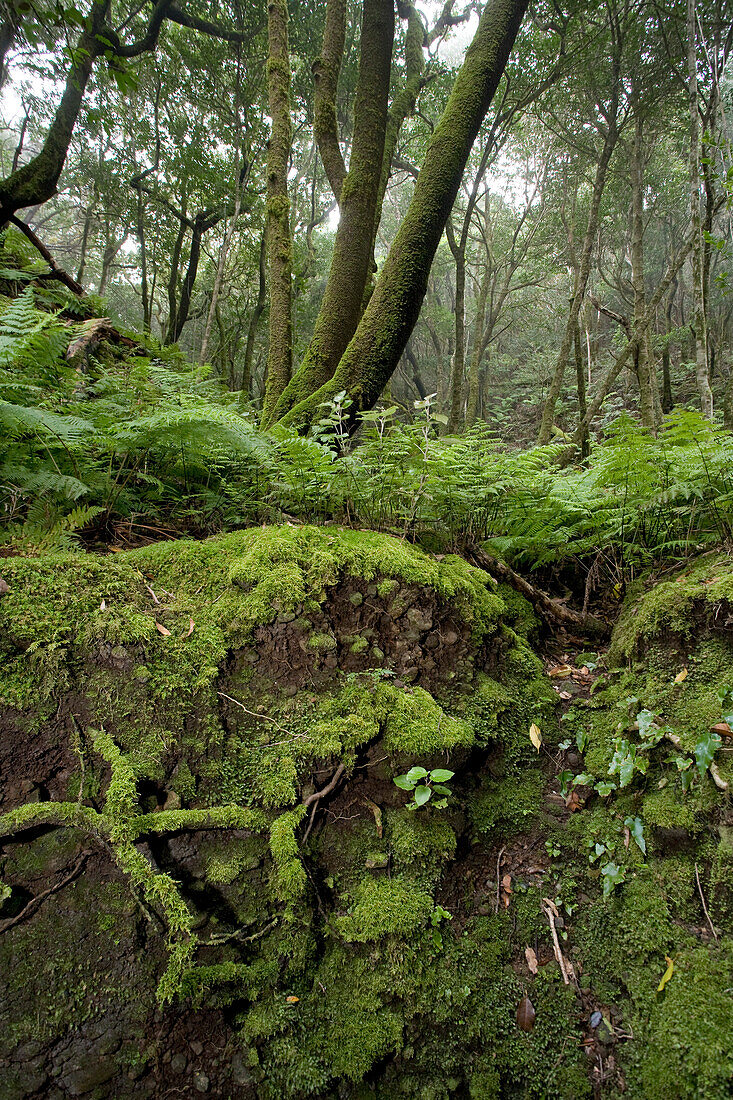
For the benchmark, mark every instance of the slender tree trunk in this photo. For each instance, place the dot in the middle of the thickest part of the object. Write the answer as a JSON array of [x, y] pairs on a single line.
[[255, 318], [700, 326], [455, 386], [474, 369], [644, 360], [389, 318], [667, 396], [341, 307], [279, 240], [173, 277], [609, 144], [326, 69], [582, 395]]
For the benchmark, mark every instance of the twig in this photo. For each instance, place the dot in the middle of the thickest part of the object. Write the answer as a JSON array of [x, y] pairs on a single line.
[[265, 718], [704, 906], [225, 937], [498, 878], [35, 903], [547, 909], [314, 799]]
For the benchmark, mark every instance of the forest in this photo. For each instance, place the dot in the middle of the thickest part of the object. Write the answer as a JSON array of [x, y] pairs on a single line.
[[366, 529]]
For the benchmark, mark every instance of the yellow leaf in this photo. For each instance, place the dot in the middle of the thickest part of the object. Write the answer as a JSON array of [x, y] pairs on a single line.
[[681, 675], [292, 1000], [667, 973], [535, 736]]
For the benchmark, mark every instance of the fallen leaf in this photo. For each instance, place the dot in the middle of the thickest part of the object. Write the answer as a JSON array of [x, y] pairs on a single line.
[[292, 1000], [667, 973], [190, 628], [574, 802], [560, 672], [163, 630], [585, 671], [627, 838], [681, 675], [531, 960], [722, 727], [566, 694], [525, 1014], [506, 883], [103, 605], [535, 736]]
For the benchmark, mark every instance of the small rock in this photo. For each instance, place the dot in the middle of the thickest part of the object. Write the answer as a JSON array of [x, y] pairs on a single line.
[[201, 1082], [450, 637], [179, 1062], [4, 587], [173, 801], [356, 598], [196, 1047]]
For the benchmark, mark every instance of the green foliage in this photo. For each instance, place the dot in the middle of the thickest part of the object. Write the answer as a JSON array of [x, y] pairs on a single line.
[[423, 784]]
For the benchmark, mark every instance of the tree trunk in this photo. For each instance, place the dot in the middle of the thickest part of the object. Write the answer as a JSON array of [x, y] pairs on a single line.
[[474, 369], [643, 357], [279, 240], [393, 308], [609, 144], [341, 307], [255, 318], [326, 69], [700, 328], [582, 396]]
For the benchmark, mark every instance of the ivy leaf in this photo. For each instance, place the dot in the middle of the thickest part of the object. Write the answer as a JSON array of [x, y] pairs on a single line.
[[605, 787], [422, 795], [613, 876], [416, 773], [636, 827], [705, 750]]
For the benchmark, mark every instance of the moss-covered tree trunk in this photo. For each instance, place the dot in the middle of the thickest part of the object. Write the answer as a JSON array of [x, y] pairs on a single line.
[[700, 322], [377, 345], [326, 69], [342, 300], [646, 373], [279, 241]]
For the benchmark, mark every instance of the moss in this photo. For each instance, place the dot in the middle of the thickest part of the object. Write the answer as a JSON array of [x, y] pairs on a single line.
[[507, 806], [416, 725], [290, 877], [384, 907]]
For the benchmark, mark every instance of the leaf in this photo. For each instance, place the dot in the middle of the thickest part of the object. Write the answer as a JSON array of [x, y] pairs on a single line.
[[531, 960], [103, 605], [560, 672], [189, 632], [422, 795], [667, 973], [535, 736], [525, 1014], [705, 750], [403, 782], [613, 876], [417, 773], [681, 676], [162, 629], [441, 775], [292, 1000], [636, 828], [605, 787], [722, 728]]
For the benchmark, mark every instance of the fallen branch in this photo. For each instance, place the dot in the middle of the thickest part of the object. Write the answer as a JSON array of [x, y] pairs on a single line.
[[554, 613], [550, 910], [704, 906]]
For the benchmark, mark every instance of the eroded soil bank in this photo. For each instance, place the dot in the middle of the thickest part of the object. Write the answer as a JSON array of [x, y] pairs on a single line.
[[212, 885]]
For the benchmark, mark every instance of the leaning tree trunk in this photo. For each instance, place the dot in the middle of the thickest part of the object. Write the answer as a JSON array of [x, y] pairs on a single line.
[[700, 326], [279, 241], [390, 316], [341, 307]]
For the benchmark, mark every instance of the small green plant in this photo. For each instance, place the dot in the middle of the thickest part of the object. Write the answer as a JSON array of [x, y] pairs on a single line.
[[438, 914], [423, 784], [612, 876]]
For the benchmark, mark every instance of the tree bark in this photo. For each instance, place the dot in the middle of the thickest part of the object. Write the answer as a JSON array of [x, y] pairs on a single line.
[[279, 240], [609, 144], [326, 70], [255, 318], [393, 308], [644, 359], [342, 300], [700, 326]]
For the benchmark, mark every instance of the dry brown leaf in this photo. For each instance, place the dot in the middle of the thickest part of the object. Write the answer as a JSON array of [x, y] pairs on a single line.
[[103, 605], [162, 629], [525, 1014], [722, 728], [292, 1000], [627, 838], [681, 675], [531, 960], [560, 672], [566, 694], [574, 802], [506, 883], [190, 628]]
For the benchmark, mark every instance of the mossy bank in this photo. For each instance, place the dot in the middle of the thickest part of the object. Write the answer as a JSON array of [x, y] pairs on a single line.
[[211, 883]]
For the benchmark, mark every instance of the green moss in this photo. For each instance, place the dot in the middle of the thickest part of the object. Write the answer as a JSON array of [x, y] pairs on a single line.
[[506, 806], [416, 725], [384, 907], [290, 878]]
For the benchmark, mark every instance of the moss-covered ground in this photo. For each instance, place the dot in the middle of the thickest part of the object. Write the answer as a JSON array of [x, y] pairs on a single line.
[[215, 727]]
